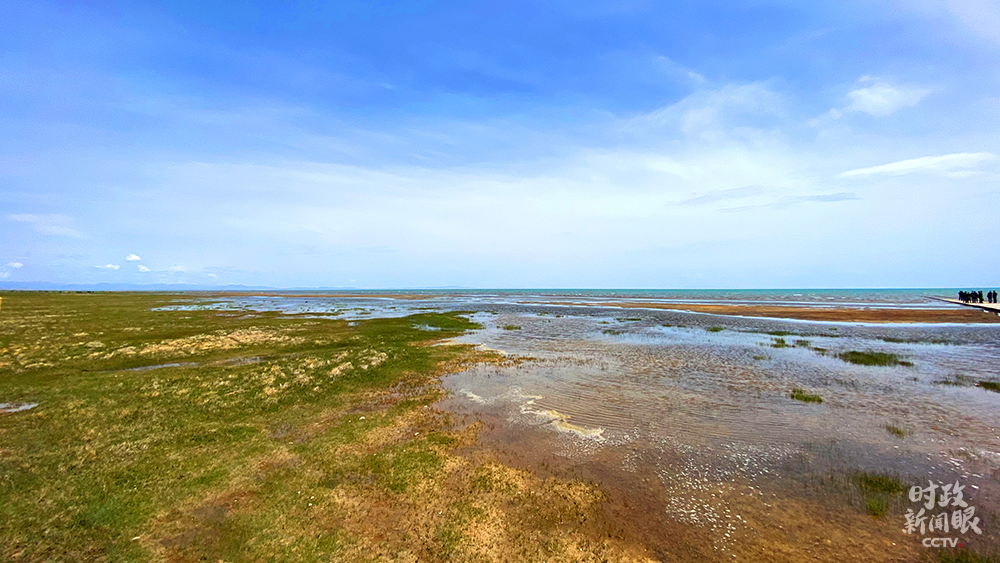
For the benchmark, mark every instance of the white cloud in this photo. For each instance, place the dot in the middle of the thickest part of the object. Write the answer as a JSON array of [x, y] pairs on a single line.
[[953, 165], [132, 258], [881, 98], [143, 268], [712, 114], [176, 269], [14, 265], [109, 267], [50, 224], [214, 276]]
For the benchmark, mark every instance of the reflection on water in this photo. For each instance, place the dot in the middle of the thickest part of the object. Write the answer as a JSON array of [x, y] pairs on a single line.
[[706, 409]]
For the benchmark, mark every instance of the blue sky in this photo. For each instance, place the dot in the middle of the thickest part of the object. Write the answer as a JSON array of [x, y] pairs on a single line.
[[514, 144]]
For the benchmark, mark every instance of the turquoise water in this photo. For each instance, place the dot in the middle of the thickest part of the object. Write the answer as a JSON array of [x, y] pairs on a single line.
[[909, 296]]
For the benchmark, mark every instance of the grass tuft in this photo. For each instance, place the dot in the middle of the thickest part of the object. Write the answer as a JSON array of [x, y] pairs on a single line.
[[878, 489], [800, 395], [990, 386], [875, 506], [872, 358], [880, 483], [895, 431]]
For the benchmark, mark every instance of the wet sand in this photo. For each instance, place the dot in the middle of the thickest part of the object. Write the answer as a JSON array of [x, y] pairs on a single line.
[[704, 457], [840, 314], [685, 419]]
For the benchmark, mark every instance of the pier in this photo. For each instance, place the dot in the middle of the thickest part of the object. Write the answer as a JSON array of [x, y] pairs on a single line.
[[987, 307]]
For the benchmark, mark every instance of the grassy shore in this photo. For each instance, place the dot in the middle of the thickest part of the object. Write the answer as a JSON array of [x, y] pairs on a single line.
[[206, 436]]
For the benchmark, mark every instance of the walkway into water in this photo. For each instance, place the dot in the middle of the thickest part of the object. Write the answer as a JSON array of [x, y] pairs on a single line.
[[988, 307]]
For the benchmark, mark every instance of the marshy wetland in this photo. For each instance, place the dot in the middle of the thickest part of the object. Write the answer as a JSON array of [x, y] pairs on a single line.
[[482, 427]]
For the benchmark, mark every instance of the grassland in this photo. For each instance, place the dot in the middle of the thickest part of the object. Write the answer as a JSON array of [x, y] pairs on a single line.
[[195, 435]]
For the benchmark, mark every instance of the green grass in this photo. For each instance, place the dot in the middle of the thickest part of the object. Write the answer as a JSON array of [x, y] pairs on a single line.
[[895, 431], [990, 386], [801, 395], [255, 412], [779, 343], [612, 331], [759, 358], [872, 358], [878, 490], [959, 381], [779, 333], [875, 506], [627, 319], [714, 329], [511, 327], [880, 483], [802, 343]]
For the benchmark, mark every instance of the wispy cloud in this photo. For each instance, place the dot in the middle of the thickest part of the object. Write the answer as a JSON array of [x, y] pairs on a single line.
[[14, 265], [826, 198], [109, 267], [955, 165], [881, 98], [132, 258], [711, 112], [794, 200], [50, 224], [143, 268], [722, 195]]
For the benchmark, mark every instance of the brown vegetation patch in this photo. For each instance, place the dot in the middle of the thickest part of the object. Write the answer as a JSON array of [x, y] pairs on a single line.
[[887, 315], [201, 343]]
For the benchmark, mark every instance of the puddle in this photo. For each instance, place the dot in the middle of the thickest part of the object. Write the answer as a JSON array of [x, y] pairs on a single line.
[[16, 407], [161, 366]]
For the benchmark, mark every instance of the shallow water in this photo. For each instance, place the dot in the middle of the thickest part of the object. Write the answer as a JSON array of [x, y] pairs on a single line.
[[709, 413], [689, 417], [16, 407]]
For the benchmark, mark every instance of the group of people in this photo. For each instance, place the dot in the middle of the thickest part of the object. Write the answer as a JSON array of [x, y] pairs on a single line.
[[977, 296]]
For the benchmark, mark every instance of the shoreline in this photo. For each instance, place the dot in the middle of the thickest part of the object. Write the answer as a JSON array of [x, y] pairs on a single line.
[[880, 315]]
